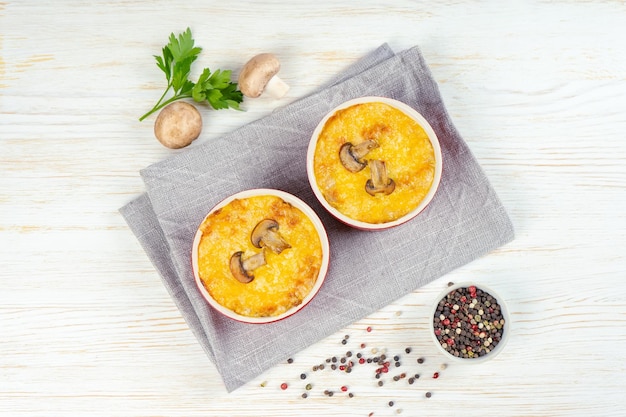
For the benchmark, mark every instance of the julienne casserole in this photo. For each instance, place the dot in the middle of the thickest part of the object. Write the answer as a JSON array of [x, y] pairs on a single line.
[[259, 256], [373, 162]]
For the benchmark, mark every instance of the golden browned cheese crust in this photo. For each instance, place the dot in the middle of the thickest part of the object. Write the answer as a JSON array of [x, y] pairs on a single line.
[[284, 281], [403, 145]]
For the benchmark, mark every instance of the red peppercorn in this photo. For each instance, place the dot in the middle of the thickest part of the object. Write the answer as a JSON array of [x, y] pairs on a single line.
[[437, 332], [369, 328], [342, 367], [283, 386], [344, 388], [362, 361], [446, 322], [436, 375], [450, 342]]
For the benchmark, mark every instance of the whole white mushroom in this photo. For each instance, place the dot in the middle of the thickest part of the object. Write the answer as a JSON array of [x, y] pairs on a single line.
[[177, 125], [259, 75]]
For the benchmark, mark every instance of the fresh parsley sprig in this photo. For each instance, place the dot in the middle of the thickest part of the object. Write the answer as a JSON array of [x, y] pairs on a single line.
[[215, 88]]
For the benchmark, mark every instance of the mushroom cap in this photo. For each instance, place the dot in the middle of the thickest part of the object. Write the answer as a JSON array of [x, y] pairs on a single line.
[[261, 229], [350, 155], [348, 160], [237, 269], [385, 189], [256, 73], [265, 234], [177, 125]]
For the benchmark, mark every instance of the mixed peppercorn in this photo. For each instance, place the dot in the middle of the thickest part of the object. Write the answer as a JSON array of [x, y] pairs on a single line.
[[468, 322], [385, 367]]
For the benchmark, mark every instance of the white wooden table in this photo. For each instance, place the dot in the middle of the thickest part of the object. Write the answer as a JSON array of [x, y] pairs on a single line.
[[537, 89]]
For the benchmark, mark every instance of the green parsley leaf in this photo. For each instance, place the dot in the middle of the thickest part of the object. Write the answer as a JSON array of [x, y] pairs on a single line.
[[183, 47], [217, 89], [176, 62]]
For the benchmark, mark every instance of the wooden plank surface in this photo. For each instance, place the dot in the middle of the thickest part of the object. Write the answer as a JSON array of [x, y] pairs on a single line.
[[536, 88]]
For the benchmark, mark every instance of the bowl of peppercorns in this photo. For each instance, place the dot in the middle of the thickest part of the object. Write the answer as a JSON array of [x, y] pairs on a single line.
[[469, 323]]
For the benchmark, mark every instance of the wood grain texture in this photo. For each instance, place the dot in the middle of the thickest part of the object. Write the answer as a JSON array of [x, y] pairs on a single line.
[[536, 88]]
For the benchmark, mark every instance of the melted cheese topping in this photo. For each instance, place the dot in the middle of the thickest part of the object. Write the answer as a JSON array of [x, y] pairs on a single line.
[[403, 145], [284, 281]]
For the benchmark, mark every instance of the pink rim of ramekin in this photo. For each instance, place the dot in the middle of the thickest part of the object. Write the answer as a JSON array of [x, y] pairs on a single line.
[[409, 111], [321, 231]]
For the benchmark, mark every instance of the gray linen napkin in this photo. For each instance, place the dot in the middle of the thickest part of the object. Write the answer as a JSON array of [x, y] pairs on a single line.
[[368, 270]]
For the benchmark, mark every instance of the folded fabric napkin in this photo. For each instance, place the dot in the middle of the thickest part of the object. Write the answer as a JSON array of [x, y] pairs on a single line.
[[368, 270]]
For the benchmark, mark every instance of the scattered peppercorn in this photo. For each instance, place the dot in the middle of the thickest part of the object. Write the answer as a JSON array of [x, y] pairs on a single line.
[[302, 376], [308, 387], [420, 360], [436, 375], [283, 386], [407, 350], [390, 403], [290, 360], [428, 394]]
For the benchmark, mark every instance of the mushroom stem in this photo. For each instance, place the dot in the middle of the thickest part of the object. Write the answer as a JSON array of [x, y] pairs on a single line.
[[274, 241], [242, 268], [363, 148], [276, 87], [379, 182], [254, 261]]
